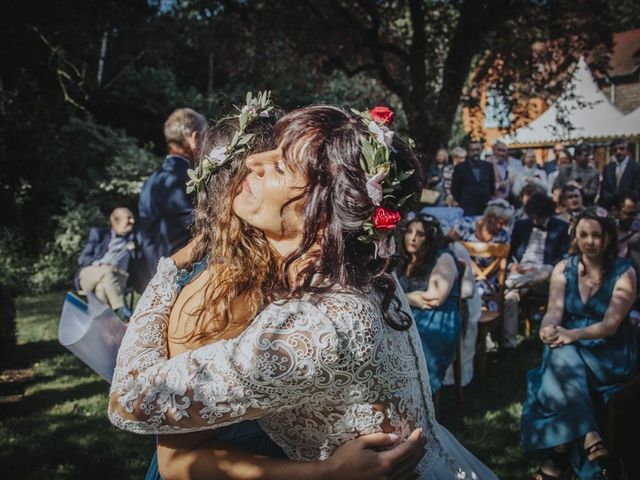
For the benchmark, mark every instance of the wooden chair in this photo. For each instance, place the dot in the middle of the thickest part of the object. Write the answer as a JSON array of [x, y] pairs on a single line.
[[531, 304], [499, 253], [457, 363]]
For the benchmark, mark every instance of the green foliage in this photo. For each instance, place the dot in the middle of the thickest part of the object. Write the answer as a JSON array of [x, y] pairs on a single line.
[[56, 266]]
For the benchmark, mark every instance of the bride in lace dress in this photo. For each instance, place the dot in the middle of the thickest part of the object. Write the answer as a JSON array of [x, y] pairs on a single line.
[[335, 355]]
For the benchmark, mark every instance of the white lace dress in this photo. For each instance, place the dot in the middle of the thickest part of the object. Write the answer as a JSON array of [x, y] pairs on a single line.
[[316, 372]]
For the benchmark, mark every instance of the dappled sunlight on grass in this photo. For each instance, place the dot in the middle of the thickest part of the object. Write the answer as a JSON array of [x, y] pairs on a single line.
[[59, 428]]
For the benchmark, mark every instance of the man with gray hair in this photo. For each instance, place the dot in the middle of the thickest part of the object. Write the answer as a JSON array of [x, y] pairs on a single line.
[[164, 208], [506, 168]]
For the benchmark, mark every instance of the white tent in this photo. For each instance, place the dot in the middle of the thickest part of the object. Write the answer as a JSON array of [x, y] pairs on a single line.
[[628, 126], [582, 104]]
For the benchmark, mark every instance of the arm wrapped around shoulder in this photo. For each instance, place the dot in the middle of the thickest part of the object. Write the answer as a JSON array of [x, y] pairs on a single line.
[[282, 359]]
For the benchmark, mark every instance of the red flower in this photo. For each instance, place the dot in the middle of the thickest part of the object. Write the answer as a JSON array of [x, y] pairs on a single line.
[[381, 115], [385, 218]]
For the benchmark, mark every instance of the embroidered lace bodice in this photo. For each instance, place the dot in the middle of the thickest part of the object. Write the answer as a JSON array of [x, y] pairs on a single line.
[[316, 372]]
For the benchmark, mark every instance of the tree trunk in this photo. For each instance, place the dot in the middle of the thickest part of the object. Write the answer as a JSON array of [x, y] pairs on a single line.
[[103, 56]]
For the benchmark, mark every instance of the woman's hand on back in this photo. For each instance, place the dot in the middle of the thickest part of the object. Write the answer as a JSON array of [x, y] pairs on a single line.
[[360, 459]]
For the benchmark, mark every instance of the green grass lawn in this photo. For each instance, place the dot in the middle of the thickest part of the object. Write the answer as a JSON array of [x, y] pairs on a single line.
[[58, 428]]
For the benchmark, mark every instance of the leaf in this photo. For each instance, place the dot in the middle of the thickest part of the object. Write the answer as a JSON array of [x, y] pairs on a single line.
[[248, 98], [404, 199], [404, 175], [369, 155], [244, 116], [245, 139]]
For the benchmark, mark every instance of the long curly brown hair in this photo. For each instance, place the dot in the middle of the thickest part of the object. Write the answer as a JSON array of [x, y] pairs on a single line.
[[240, 260]]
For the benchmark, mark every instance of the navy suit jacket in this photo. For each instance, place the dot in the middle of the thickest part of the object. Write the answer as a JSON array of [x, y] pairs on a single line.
[[473, 195], [555, 246], [630, 180], [96, 247], [165, 211]]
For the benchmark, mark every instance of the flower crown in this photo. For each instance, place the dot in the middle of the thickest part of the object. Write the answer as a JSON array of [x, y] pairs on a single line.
[[219, 156], [382, 180]]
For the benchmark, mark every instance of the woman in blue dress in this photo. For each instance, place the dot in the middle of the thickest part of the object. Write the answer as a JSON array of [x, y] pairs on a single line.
[[431, 282], [590, 352]]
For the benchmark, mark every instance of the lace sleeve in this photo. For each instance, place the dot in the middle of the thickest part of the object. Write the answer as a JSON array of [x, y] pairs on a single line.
[[280, 361]]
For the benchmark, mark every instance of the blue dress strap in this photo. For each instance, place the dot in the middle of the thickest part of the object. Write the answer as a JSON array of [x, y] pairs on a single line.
[[185, 276]]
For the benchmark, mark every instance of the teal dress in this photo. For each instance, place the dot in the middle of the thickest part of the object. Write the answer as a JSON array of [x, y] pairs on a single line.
[[248, 435], [575, 381], [438, 327]]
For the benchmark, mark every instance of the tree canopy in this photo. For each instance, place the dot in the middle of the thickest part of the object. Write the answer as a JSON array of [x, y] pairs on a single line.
[[86, 85]]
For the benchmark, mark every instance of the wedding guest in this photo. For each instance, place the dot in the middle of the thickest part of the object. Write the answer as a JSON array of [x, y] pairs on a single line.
[[473, 182], [491, 227], [526, 193], [626, 207], [110, 262], [435, 177], [538, 242], [445, 171], [622, 174], [563, 158], [551, 165], [164, 207], [530, 173], [505, 167], [571, 204], [590, 352], [580, 172], [458, 155], [431, 282]]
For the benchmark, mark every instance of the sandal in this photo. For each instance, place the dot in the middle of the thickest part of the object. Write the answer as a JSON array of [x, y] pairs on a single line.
[[597, 451], [560, 461]]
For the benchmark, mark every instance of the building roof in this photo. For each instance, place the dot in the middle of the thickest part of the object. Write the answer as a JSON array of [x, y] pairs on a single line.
[[588, 113], [625, 57]]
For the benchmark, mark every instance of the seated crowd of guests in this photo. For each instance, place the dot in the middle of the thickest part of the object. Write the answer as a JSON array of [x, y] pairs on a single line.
[[563, 246]]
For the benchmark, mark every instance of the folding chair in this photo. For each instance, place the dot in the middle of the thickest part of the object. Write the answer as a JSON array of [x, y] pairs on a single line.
[[489, 321]]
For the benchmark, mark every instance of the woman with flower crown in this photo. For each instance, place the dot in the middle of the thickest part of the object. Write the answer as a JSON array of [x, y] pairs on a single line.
[[334, 354], [239, 449]]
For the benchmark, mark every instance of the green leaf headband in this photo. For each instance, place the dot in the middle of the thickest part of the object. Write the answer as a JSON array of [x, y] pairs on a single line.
[[220, 156]]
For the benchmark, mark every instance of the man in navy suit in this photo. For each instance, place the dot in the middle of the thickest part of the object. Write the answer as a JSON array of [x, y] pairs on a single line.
[[164, 207], [620, 175], [110, 261], [473, 182], [538, 242]]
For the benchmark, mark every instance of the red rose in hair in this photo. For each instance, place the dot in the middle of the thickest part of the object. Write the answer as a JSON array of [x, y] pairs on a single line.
[[381, 115], [385, 218]]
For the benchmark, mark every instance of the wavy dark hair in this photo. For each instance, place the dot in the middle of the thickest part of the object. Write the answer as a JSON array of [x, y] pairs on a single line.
[[434, 240], [222, 235], [608, 226], [324, 143]]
